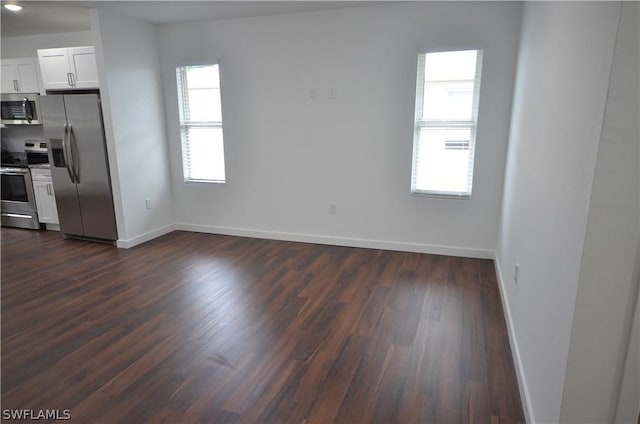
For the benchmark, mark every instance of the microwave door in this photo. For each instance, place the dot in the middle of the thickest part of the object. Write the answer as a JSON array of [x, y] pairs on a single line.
[[54, 122], [20, 109]]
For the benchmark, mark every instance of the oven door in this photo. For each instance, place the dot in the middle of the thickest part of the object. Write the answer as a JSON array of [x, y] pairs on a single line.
[[18, 206]]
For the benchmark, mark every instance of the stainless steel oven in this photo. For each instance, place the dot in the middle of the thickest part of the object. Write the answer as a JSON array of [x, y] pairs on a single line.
[[18, 204], [37, 152]]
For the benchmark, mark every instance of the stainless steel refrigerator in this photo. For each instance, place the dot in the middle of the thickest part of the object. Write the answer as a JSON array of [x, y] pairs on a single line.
[[79, 167]]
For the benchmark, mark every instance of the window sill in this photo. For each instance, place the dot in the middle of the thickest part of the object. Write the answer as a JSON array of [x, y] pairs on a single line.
[[436, 195], [198, 182]]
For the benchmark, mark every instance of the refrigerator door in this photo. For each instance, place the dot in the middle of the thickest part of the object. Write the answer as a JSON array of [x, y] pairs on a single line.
[[54, 126], [90, 165]]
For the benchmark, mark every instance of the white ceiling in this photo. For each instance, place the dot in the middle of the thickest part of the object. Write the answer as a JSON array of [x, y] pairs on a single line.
[[44, 17]]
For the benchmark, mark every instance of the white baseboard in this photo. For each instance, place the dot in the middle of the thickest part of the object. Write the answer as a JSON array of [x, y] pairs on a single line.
[[142, 238], [340, 241], [525, 398]]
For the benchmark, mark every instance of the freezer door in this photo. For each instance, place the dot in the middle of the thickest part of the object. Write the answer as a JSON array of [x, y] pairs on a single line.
[[54, 123], [90, 166]]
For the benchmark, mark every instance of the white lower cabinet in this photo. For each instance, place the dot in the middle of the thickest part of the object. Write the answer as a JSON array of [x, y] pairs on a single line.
[[45, 196]]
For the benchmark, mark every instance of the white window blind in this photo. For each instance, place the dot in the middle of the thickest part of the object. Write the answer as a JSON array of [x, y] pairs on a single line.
[[200, 111], [447, 94]]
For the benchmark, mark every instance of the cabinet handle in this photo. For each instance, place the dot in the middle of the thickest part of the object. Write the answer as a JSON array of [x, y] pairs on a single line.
[[49, 189], [15, 85], [69, 79], [73, 79]]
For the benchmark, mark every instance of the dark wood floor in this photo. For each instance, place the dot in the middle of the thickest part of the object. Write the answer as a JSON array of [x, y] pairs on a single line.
[[202, 328]]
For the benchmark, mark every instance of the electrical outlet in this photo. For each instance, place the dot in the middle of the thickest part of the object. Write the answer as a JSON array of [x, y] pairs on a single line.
[[147, 203], [333, 208], [313, 93], [516, 271]]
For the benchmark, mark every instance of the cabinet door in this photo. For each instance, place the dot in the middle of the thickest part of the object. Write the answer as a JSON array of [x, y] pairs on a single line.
[[27, 75], [20, 76], [53, 211], [45, 202], [9, 76], [54, 67], [82, 62]]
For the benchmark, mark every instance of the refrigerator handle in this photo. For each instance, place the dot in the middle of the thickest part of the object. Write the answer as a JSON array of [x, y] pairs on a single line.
[[74, 165], [65, 152]]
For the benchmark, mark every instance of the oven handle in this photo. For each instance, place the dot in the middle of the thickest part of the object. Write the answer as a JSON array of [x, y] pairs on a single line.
[[14, 173], [65, 152], [16, 215]]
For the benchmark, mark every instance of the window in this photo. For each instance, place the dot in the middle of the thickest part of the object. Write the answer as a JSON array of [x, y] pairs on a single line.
[[201, 123], [445, 123]]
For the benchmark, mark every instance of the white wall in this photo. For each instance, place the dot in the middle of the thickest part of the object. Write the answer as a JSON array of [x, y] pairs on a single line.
[[28, 45], [607, 288], [628, 408], [564, 65], [288, 156], [130, 85]]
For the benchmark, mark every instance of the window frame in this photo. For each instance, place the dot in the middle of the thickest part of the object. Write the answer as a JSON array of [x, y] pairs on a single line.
[[182, 91], [420, 123]]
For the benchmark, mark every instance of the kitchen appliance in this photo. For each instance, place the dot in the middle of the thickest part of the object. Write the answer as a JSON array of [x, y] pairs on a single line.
[[74, 129], [18, 204], [20, 109], [37, 153]]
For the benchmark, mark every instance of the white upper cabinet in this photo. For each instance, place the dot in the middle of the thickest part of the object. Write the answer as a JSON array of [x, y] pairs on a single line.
[[19, 76], [55, 69], [68, 68], [83, 66]]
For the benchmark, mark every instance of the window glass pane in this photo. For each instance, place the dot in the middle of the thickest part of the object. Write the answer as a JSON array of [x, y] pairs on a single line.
[[443, 160], [448, 100], [449, 85], [450, 66], [204, 105], [203, 76], [205, 153]]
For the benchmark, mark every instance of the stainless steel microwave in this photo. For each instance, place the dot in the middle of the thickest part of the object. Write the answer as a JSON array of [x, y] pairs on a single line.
[[20, 109]]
